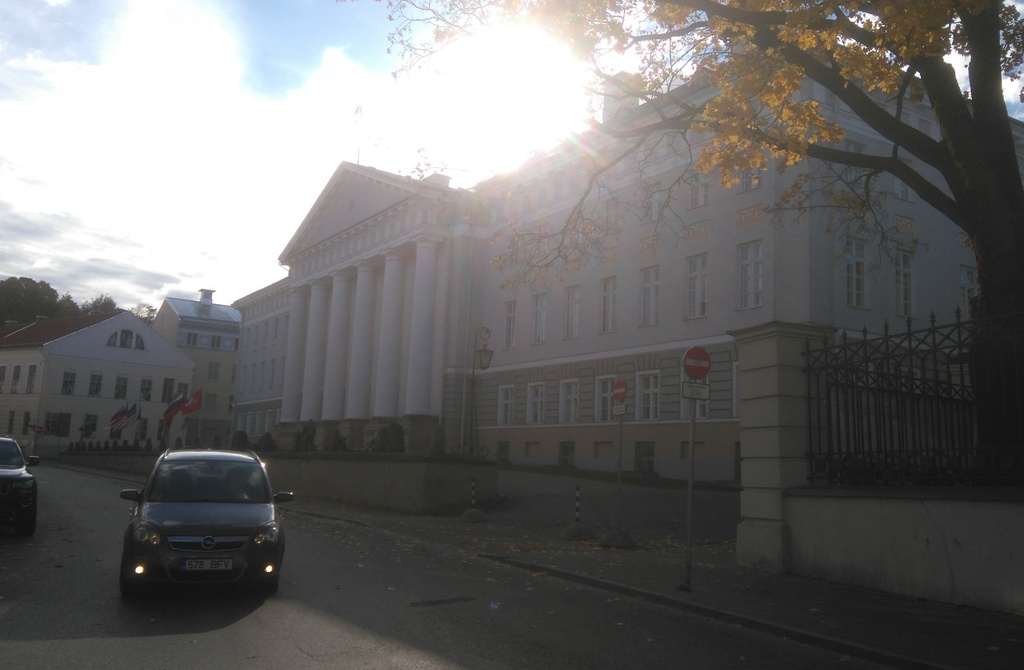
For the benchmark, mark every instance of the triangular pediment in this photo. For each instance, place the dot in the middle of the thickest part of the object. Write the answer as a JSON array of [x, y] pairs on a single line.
[[353, 195]]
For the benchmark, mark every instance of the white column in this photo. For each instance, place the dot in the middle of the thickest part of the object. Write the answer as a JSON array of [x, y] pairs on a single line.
[[316, 340], [337, 348], [389, 358], [357, 395], [421, 345], [297, 312]]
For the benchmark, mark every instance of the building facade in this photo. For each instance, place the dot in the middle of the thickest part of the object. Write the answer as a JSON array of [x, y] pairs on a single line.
[[394, 284], [62, 382], [208, 334]]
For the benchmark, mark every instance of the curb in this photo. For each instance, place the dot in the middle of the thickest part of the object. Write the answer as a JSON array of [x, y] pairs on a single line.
[[796, 634]]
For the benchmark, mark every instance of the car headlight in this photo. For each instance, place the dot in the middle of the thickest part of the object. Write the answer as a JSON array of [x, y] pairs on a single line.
[[146, 535], [24, 484], [268, 534]]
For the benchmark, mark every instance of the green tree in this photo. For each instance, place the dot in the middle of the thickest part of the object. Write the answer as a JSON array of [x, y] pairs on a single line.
[[101, 303], [875, 56], [144, 311], [23, 299]]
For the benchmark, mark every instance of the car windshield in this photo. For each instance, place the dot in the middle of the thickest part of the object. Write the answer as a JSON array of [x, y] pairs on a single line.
[[10, 455], [209, 481]]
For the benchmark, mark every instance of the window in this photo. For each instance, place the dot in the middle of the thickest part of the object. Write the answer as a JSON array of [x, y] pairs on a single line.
[[648, 396], [506, 402], [146, 389], [510, 324], [89, 426], [58, 424], [968, 289], [698, 194], [568, 401], [900, 190], [3, 378], [191, 339], [702, 408], [95, 385], [26, 423], [15, 378], [697, 286], [540, 307], [608, 288], [30, 383], [644, 463], [120, 387], [167, 392], [603, 400], [572, 312], [210, 402], [649, 296], [67, 386], [856, 269], [566, 454], [535, 403], [126, 339], [213, 371], [215, 340], [751, 275], [852, 174], [751, 179], [10, 423], [904, 290], [656, 206]]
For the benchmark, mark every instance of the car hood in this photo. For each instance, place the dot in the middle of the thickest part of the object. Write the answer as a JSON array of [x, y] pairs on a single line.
[[205, 518], [13, 472]]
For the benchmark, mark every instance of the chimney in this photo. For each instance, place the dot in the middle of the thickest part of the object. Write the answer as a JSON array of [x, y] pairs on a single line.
[[206, 296]]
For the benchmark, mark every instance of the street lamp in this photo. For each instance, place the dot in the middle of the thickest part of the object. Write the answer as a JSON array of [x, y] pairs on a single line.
[[482, 356]]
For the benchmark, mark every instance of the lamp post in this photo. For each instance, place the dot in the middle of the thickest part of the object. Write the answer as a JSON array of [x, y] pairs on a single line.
[[482, 355]]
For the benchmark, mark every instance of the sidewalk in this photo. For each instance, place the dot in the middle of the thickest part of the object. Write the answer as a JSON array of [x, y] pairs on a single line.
[[527, 526]]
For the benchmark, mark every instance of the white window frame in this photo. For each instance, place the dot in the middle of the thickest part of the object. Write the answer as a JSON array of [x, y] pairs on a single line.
[[856, 273], [609, 288], [751, 274], [697, 286], [569, 401], [648, 396], [540, 318], [510, 324], [649, 285], [506, 404], [572, 312], [604, 400], [535, 403]]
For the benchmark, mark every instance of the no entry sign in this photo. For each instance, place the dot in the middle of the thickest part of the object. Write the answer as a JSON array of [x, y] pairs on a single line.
[[619, 391], [696, 363]]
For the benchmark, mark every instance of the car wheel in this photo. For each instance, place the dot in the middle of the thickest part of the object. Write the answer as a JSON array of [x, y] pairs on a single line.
[[26, 527]]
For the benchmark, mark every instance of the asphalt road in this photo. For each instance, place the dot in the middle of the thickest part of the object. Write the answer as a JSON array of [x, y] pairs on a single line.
[[351, 597]]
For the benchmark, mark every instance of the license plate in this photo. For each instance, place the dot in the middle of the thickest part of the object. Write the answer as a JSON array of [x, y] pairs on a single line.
[[191, 564]]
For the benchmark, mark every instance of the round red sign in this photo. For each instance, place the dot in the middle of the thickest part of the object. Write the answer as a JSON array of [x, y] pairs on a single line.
[[696, 362], [619, 391]]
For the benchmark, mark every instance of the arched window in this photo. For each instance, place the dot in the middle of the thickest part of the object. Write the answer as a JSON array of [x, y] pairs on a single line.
[[126, 339]]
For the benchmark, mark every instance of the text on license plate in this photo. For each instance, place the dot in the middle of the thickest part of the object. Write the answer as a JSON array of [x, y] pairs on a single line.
[[206, 564]]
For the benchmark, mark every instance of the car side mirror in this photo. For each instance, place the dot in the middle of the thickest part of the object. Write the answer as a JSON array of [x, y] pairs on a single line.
[[131, 494], [33, 460], [283, 496]]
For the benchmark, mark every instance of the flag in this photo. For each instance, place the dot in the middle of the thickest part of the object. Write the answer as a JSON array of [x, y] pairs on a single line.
[[130, 417], [116, 418], [174, 407], [194, 403]]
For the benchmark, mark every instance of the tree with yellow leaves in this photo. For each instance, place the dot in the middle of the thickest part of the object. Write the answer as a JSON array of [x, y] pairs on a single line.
[[876, 57]]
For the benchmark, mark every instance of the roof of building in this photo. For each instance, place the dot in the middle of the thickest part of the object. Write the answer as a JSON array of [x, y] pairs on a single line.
[[44, 330], [195, 309]]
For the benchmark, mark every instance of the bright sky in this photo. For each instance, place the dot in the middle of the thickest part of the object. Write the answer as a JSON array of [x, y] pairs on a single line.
[[151, 148]]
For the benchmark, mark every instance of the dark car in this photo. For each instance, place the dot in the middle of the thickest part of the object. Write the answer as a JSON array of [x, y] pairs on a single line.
[[204, 517], [18, 489]]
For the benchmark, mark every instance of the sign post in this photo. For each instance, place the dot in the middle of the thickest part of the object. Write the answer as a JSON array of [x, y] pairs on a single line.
[[696, 365], [618, 538]]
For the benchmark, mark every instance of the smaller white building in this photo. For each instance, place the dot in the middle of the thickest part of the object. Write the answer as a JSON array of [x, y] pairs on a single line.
[[63, 380]]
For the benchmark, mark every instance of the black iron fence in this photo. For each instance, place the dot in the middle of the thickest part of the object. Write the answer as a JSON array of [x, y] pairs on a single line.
[[941, 406]]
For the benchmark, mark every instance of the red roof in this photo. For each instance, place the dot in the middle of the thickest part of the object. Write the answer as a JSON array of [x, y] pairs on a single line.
[[42, 331]]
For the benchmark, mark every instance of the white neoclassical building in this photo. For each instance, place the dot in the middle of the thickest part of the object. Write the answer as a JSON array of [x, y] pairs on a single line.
[[368, 330]]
